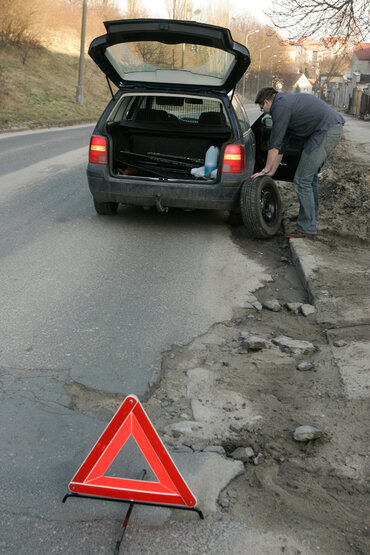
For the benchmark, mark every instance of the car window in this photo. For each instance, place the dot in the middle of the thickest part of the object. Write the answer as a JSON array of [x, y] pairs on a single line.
[[188, 109], [240, 114], [122, 109], [157, 62]]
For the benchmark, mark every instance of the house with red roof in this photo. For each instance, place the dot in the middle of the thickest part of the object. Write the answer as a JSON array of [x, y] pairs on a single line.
[[361, 58]]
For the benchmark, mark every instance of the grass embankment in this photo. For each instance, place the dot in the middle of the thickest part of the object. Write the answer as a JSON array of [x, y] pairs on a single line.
[[41, 91]]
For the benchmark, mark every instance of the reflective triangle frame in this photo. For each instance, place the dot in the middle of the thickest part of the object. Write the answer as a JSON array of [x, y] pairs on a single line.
[[131, 420]]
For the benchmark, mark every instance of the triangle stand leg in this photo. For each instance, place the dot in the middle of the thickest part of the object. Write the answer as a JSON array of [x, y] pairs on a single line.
[[194, 509], [127, 518]]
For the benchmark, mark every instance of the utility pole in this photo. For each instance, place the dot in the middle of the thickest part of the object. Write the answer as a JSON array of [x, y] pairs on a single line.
[[259, 66], [246, 44], [79, 90]]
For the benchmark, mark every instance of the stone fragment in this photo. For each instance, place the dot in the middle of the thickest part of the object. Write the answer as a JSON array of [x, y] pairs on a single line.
[[233, 494], [184, 427], [214, 449], [272, 305], [223, 380], [257, 305], [251, 299], [339, 343], [307, 309], [306, 433], [223, 502], [305, 366], [258, 459], [247, 305], [183, 449], [236, 427], [243, 454], [294, 346], [253, 342], [293, 307]]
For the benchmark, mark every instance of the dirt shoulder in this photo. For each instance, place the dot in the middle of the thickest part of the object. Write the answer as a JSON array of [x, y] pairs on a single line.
[[217, 391], [344, 196]]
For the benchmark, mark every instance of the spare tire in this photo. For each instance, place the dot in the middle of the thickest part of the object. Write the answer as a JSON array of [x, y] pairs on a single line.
[[260, 206]]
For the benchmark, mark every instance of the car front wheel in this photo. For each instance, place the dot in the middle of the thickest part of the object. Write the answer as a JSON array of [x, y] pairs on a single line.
[[105, 208], [260, 206]]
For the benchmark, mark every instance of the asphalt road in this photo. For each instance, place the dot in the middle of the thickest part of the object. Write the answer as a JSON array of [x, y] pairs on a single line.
[[93, 300]]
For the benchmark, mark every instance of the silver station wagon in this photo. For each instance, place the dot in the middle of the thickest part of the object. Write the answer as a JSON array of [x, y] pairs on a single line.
[[175, 134]]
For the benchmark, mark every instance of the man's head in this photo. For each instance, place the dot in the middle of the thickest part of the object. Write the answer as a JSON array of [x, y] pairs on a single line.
[[264, 98]]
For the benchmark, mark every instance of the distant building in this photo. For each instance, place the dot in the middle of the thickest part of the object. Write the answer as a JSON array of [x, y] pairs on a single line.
[[332, 45], [293, 82], [305, 54], [361, 58]]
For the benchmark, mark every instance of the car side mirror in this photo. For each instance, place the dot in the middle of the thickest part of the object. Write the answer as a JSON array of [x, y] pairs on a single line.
[[267, 121]]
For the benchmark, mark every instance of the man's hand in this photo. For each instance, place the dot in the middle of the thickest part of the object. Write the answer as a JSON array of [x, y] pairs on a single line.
[[272, 163], [258, 174]]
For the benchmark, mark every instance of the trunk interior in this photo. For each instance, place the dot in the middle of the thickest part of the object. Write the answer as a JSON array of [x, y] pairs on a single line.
[[166, 141]]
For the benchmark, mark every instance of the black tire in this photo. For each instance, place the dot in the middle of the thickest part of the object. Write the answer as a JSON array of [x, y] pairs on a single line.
[[106, 208], [260, 206]]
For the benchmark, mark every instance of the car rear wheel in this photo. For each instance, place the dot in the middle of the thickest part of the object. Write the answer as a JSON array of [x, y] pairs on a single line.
[[260, 206], [105, 208]]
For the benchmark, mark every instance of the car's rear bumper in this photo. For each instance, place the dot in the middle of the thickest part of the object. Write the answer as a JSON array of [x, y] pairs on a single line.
[[170, 193]]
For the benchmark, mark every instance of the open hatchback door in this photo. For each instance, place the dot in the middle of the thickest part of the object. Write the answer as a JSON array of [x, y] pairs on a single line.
[[169, 54]]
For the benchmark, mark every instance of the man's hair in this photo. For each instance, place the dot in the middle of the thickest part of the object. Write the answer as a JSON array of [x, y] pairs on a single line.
[[265, 94]]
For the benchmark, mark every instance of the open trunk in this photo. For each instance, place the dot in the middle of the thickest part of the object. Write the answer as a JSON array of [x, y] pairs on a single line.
[[153, 142]]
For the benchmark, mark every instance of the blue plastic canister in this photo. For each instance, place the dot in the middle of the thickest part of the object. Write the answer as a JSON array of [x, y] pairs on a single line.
[[210, 162]]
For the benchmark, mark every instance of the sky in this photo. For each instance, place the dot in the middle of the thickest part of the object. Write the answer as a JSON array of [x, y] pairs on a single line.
[[158, 9]]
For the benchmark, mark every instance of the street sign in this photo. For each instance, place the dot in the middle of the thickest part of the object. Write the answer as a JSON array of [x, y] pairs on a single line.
[[131, 420]]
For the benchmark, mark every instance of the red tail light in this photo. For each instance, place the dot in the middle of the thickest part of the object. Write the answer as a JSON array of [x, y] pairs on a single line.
[[98, 150], [234, 159]]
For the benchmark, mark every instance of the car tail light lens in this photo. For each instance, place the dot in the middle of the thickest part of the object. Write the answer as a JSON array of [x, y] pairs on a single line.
[[234, 159], [98, 150]]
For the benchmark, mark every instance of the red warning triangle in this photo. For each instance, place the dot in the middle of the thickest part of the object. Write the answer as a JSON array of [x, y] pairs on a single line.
[[132, 420]]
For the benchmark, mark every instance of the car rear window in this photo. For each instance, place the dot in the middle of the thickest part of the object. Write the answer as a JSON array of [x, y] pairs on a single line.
[[170, 63], [190, 109]]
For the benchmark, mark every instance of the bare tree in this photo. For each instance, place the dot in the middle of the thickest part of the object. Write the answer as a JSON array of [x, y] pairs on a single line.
[[178, 9], [17, 23], [349, 19], [135, 9]]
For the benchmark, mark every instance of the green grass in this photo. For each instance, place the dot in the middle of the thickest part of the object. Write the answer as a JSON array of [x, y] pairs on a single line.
[[42, 91]]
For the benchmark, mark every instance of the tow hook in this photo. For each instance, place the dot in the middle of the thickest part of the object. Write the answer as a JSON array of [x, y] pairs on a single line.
[[159, 205]]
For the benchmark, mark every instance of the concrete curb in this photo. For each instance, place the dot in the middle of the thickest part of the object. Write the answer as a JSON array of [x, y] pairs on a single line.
[[305, 264]]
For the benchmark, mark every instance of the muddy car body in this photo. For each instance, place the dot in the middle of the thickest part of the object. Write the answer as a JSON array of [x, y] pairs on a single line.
[[175, 103]]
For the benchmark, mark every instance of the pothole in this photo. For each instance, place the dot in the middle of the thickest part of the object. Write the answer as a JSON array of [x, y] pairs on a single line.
[[92, 402]]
